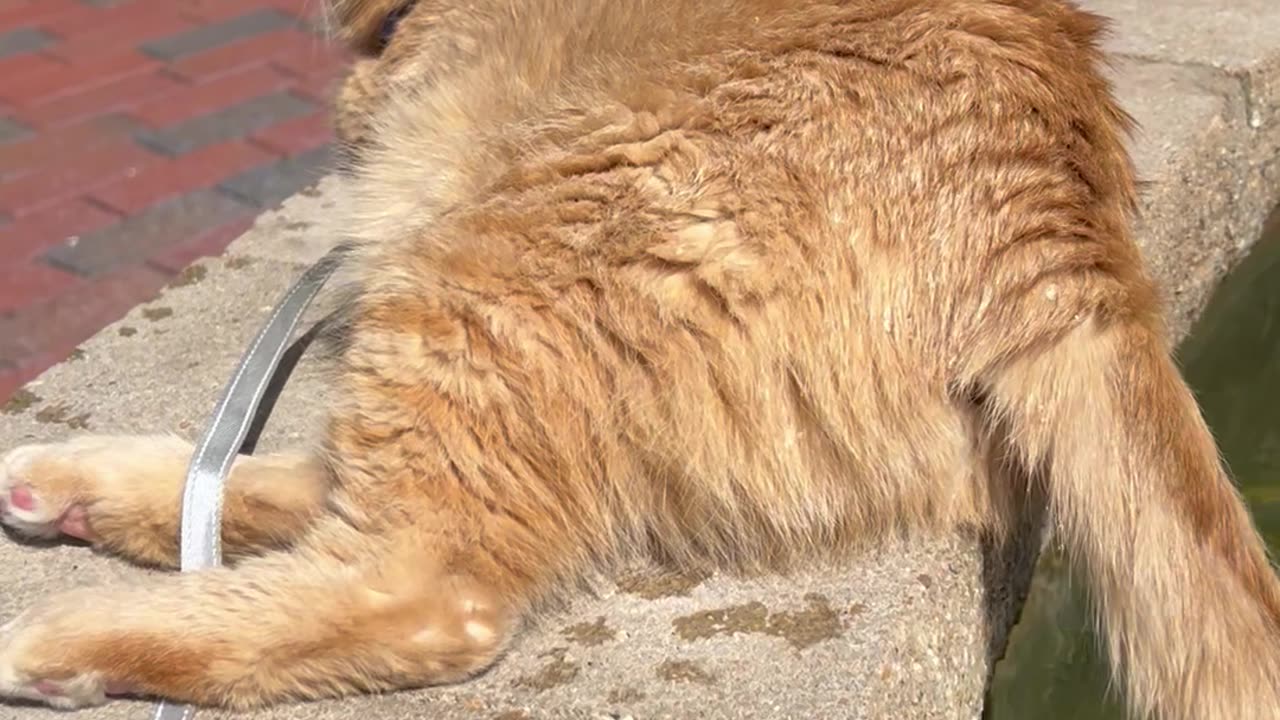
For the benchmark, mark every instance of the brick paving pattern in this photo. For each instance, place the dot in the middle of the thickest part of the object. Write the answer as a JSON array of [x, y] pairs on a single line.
[[137, 136]]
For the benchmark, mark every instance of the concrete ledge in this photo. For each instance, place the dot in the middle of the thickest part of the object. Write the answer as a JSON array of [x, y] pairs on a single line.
[[905, 632], [1203, 81]]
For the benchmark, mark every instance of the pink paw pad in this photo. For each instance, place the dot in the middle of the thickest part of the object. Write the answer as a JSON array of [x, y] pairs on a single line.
[[20, 497], [75, 523], [53, 688], [49, 688]]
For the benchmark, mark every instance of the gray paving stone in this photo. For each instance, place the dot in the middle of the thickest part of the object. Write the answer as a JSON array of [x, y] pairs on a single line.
[[208, 37], [23, 40], [300, 229], [227, 124], [270, 185], [11, 130], [141, 236]]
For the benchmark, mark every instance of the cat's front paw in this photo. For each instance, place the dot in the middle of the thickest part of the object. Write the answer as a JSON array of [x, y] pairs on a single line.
[[34, 664], [42, 490]]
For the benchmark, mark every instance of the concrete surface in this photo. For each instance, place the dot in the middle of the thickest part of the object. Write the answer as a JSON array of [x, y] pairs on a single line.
[[903, 632], [1203, 80]]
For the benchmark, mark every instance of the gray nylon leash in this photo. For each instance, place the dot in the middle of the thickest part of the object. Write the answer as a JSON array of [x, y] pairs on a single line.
[[201, 523]]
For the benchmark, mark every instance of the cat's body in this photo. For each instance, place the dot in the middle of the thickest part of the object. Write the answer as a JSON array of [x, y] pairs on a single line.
[[735, 282]]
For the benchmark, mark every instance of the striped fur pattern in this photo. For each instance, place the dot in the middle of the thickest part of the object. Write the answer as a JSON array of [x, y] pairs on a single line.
[[734, 283]]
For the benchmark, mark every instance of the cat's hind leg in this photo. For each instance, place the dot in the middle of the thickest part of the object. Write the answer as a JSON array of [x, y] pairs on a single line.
[[345, 612]]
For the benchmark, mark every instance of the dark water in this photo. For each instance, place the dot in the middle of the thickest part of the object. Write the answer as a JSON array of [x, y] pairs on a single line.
[[1232, 360]]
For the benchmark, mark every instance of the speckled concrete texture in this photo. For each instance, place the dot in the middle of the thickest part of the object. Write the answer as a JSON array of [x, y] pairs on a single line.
[[903, 632]]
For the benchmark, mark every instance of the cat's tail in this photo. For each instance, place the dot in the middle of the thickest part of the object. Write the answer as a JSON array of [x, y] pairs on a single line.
[[1187, 601]]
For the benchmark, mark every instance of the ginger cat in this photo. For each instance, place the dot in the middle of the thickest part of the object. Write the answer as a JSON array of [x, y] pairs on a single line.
[[736, 282]]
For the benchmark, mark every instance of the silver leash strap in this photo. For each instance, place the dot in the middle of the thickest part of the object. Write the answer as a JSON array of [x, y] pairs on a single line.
[[201, 523]]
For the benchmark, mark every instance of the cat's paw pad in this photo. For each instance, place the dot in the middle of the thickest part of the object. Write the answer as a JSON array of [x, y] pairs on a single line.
[[37, 491]]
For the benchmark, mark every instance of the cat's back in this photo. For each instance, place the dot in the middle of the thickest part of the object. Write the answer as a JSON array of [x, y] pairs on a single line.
[[771, 244], [705, 155]]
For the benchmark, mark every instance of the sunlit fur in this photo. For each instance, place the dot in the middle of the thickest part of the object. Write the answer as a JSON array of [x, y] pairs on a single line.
[[735, 283]]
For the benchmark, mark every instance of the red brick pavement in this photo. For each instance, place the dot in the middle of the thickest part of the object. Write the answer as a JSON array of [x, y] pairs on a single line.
[[137, 136]]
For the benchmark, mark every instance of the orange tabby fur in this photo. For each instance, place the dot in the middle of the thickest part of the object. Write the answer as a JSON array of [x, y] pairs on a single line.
[[737, 282]]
